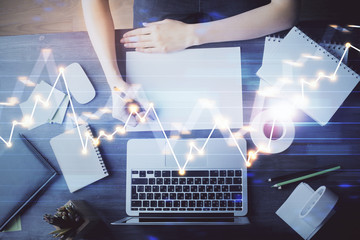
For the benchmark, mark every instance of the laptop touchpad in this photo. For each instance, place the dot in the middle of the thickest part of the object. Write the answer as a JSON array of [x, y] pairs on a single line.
[[182, 152]]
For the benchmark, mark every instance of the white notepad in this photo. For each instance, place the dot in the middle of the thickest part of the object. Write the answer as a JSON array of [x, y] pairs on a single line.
[[298, 57], [79, 169]]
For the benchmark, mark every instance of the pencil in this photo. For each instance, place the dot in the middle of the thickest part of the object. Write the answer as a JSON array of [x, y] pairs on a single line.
[[278, 185]]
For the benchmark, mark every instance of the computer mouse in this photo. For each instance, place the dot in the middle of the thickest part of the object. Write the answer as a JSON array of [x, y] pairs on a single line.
[[79, 85]]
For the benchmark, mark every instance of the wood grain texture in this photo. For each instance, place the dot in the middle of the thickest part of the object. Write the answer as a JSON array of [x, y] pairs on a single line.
[[18, 17]]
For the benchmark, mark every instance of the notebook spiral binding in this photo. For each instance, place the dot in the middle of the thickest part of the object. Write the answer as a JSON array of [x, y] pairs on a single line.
[[327, 53], [101, 161]]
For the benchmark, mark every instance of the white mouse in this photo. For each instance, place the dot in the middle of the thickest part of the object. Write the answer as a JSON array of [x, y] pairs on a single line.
[[79, 84]]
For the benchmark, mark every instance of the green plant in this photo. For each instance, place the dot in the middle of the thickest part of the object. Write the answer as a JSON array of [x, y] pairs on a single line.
[[66, 221]]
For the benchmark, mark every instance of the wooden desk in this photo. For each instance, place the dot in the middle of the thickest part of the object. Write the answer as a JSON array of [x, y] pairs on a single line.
[[314, 146]]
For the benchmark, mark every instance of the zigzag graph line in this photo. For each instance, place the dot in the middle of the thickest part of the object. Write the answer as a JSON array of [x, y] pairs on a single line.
[[27, 120]]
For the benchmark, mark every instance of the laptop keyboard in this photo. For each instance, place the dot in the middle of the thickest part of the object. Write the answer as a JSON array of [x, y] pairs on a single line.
[[197, 190]]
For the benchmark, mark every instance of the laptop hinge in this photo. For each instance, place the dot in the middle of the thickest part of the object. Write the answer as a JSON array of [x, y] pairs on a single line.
[[185, 215]]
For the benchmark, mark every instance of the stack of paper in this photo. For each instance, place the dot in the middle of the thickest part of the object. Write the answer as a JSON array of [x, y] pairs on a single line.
[[43, 107]]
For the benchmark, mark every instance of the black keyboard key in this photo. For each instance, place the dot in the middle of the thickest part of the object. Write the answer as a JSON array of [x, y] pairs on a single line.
[[168, 204], [222, 203], [199, 203], [196, 196], [206, 209], [221, 180], [224, 188], [203, 195], [215, 204], [222, 173], [172, 195], [142, 174], [187, 195], [202, 188], [214, 209], [151, 180], [237, 180], [176, 204], [228, 180], [153, 204], [157, 196], [182, 181], [142, 209], [238, 204], [222, 209], [135, 172], [186, 188], [164, 196], [150, 172], [155, 188], [159, 181], [174, 181], [174, 209], [227, 195], [236, 196], [230, 173], [190, 209], [147, 188], [135, 203], [198, 209], [205, 181], [139, 181], [167, 181], [211, 195], [238, 173], [150, 209], [194, 188], [140, 188], [217, 188], [166, 209], [158, 209], [184, 203], [209, 188], [182, 209], [207, 204], [198, 181], [142, 196], [190, 181], [133, 190], [219, 196], [214, 173], [171, 188], [161, 203], [150, 196], [178, 188], [166, 173], [135, 196], [146, 203], [231, 209], [235, 188], [213, 181], [192, 204], [163, 188], [180, 196], [231, 203], [134, 209], [157, 173], [238, 209], [191, 173]]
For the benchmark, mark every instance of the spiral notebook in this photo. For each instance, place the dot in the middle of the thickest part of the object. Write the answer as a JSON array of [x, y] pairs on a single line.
[[298, 59], [79, 169]]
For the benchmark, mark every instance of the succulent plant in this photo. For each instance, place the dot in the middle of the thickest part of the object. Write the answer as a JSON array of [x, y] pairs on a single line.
[[66, 219]]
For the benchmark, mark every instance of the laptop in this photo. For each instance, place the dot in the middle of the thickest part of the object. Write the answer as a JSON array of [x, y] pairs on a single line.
[[213, 189]]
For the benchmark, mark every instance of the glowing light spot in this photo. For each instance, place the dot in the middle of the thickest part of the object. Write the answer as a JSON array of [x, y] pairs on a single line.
[[142, 119], [252, 155], [121, 130], [61, 69], [84, 151], [110, 137], [96, 142], [201, 152], [347, 45], [133, 108], [14, 122], [222, 123], [46, 104], [102, 133], [248, 164], [182, 172], [333, 78], [9, 144], [190, 157]]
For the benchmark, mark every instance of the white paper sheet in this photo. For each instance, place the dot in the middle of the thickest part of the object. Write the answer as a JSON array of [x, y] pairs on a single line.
[[182, 85]]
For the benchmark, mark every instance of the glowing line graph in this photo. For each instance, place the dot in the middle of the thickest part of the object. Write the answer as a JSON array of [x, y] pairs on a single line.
[[28, 120]]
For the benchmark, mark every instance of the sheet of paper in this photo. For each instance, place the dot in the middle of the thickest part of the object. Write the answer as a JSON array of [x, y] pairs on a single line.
[[297, 60], [190, 89], [42, 114]]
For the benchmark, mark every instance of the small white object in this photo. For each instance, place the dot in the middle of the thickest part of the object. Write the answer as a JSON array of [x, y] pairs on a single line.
[[306, 210], [79, 84]]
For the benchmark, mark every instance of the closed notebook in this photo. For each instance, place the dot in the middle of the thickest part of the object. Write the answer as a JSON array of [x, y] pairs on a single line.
[[79, 169], [23, 173], [298, 59]]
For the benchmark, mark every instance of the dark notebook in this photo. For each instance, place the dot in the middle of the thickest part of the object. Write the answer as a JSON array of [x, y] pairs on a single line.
[[23, 173]]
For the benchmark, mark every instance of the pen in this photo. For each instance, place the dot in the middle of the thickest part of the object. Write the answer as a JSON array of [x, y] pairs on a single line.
[[278, 185]]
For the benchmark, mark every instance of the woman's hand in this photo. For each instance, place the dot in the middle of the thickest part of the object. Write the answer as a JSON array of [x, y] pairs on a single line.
[[160, 37]]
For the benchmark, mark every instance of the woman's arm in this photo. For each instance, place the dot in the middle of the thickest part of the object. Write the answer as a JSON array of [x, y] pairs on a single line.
[[100, 27], [171, 35]]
